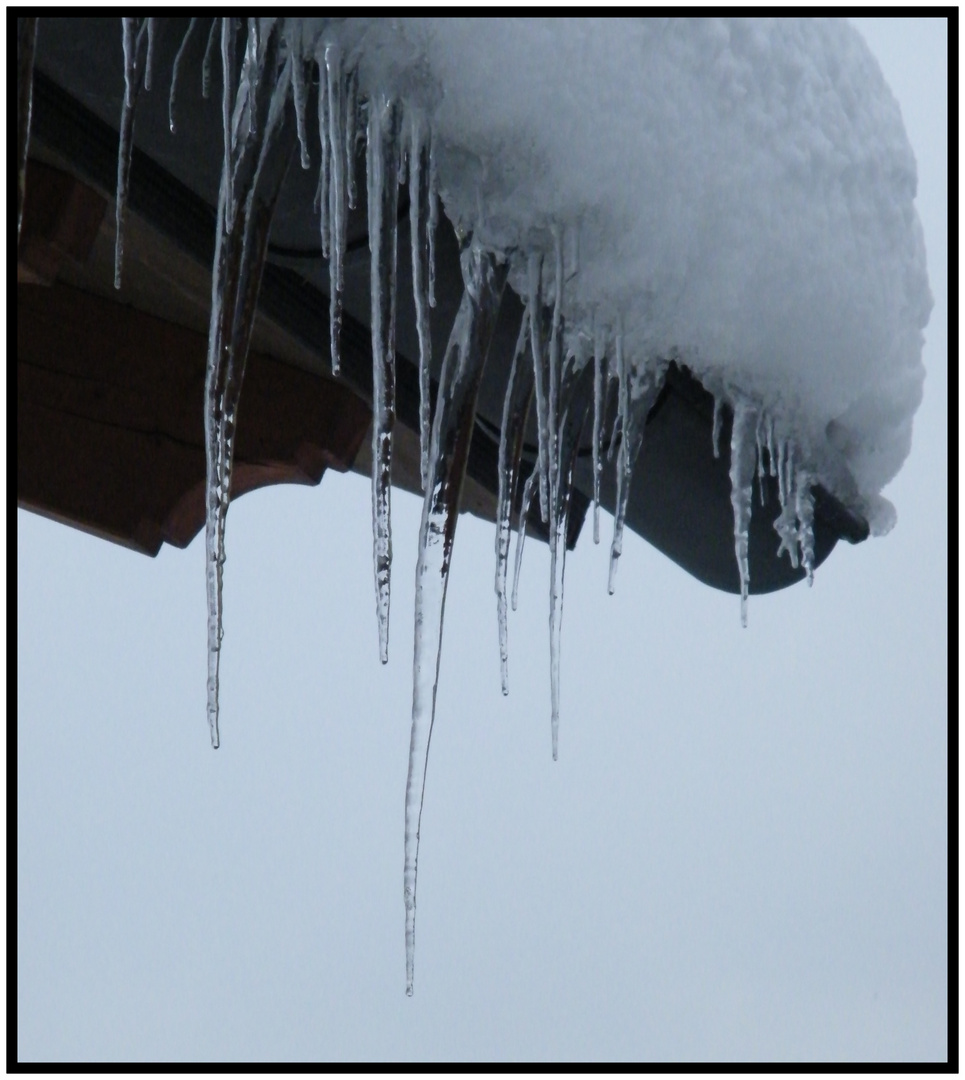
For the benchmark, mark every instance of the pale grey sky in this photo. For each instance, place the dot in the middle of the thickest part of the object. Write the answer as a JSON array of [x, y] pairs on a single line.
[[741, 853]]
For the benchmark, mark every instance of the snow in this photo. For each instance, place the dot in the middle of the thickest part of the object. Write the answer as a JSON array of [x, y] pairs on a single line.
[[735, 195], [744, 189]]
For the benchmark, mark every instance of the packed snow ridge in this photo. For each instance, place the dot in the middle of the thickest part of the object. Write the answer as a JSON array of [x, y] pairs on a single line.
[[733, 194]]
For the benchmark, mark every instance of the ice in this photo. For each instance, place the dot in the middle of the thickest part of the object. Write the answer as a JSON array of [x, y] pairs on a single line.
[[149, 63], [351, 133], [516, 408], [599, 354], [26, 47], [804, 509], [300, 93], [240, 249], [452, 428], [553, 373], [718, 418], [325, 162], [742, 453], [433, 222], [639, 388], [624, 463], [175, 71], [737, 194], [383, 187], [568, 427], [131, 37], [534, 272], [206, 64], [527, 500], [419, 231], [759, 449], [338, 213], [227, 44]]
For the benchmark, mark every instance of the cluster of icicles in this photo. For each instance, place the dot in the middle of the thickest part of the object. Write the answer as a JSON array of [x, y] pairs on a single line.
[[561, 368]]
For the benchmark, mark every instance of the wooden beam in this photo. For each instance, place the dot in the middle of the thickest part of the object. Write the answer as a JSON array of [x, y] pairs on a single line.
[[110, 432]]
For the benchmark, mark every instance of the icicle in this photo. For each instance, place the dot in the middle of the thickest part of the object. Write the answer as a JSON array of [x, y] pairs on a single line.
[[612, 375], [403, 164], [433, 220], [556, 484], [227, 43], [789, 473], [418, 230], [26, 49], [741, 490], [639, 389], [206, 64], [804, 509], [250, 75], [759, 440], [781, 489], [299, 88], [338, 215], [351, 134], [132, 85], [325, 165], [383, 187], [516, 407], [149, 63], [771, 452], [786, 524], [553, 380], [174, 73], [786, 528], [623, 460], [452, 428], [238, 263], [599, 349], [535, 304], [572, 413], [717, 423], [525, 504]]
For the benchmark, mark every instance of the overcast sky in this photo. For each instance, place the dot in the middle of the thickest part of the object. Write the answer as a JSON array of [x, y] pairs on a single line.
[[741, 853]]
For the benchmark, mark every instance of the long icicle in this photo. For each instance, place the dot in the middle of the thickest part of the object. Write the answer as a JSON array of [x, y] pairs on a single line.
[[300, 88], [149, 62], [623, 459], [804, 510], [535, 305], [742, 467], [599, 352], [227, 71], [130, 40], [175, 71], [525, 504], [338, 214], [26, 49], [433, 219], [452, 428], [644, 384], [554, 430], [516, 409], [383, 188], [419, 234], [555, 359], [240, 254], [573, 405], [351, 134], [206, 63]]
